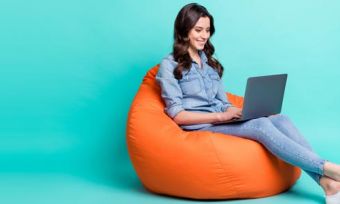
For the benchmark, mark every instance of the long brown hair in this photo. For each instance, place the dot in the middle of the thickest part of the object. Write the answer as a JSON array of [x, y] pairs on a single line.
[[186, 19]]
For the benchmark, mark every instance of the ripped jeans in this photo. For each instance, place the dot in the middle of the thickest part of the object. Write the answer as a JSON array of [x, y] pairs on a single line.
[[278, 134]]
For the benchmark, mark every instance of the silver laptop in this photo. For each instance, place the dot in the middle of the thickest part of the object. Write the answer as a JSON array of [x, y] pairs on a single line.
[[263, 97]]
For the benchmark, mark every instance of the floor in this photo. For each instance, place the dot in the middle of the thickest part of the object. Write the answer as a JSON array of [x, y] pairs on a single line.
[[123, 186], [39, 188]]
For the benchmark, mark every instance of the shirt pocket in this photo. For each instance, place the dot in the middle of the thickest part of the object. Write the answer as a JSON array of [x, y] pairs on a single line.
[[215, 80], [190, 85]]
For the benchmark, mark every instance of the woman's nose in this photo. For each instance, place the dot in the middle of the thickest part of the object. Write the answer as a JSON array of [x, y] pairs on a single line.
[[205, 35]]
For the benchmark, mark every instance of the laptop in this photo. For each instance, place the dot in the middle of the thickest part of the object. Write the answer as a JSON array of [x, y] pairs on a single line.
[[263, 96]]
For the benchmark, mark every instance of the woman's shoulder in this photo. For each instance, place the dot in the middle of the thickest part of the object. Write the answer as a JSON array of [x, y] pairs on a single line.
[[169, 60], [168, 63]]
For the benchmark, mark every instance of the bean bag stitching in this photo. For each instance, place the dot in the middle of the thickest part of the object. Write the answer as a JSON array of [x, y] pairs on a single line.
[[219, 160]]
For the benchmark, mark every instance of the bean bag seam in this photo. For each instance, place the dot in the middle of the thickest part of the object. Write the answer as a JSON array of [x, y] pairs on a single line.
[[219, 161]]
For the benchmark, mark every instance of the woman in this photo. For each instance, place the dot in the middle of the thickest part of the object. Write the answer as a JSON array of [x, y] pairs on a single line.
[[190, 80]]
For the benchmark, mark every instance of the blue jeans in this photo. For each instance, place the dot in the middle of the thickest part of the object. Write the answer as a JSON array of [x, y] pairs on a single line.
[[278, 134]]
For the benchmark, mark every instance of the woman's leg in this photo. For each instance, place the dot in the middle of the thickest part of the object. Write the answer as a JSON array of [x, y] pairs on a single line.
[[285, 125], [263, 131]]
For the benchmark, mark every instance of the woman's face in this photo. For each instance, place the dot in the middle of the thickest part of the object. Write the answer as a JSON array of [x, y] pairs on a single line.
[[199, 34]]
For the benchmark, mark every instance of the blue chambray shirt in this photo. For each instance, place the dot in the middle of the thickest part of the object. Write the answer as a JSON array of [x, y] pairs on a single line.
[[199, 90]]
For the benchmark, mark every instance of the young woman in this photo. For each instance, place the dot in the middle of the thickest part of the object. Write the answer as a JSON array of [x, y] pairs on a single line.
[[190, 80]]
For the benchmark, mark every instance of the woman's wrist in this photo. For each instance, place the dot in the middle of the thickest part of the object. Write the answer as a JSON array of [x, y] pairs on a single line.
[[218, 117], [226, 109]]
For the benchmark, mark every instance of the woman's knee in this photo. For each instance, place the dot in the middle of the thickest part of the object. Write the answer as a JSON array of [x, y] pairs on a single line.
[[260, 123], [279, 118], [259, 127]]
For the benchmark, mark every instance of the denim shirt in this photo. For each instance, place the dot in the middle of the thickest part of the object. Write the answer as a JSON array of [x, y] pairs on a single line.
[[199, 90]]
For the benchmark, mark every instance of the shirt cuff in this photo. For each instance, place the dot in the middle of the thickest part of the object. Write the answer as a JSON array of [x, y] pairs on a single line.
[[174, 110], [226, 106]]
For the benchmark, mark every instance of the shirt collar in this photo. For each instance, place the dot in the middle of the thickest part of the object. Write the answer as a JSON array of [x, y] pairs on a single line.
[[203, 56]]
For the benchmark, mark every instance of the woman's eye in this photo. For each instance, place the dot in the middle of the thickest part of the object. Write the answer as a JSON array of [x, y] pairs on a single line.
[[198, 30]]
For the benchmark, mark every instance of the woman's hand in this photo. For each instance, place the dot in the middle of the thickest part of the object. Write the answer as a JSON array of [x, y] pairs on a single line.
[[231, 113], [190, 118]]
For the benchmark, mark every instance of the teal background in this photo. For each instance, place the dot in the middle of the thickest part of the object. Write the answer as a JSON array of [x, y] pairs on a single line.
[[69, 71]]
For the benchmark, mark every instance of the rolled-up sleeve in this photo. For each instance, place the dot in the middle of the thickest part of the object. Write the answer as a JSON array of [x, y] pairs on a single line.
[[221, 96], [170, 90]]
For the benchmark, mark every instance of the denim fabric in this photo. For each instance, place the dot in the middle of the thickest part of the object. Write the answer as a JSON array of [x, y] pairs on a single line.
[[199, 90], [278, 134]]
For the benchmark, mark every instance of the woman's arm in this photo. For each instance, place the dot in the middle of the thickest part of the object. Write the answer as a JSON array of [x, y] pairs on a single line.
[[190, 118], [172, 95]]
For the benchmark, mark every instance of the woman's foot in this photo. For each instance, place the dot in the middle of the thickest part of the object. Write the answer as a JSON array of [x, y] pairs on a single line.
[[332, 190], [332, 170]]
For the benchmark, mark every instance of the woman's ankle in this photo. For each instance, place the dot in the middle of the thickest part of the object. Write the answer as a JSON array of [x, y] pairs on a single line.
[[332, 170], [329, 185]]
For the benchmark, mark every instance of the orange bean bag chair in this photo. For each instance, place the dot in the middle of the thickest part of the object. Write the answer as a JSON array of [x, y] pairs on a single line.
[[198, 164]]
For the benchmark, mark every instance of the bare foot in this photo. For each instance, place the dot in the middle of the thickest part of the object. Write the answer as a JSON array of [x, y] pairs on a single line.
[[332, 170], [329, 185]]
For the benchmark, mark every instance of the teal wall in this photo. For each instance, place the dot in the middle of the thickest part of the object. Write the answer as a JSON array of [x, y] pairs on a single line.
[[69, 71]]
